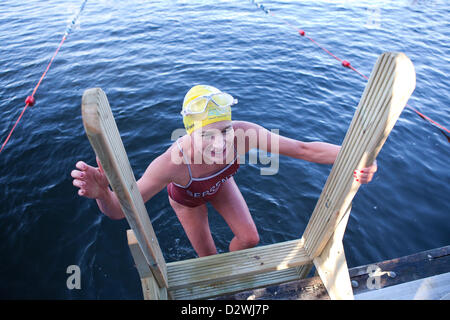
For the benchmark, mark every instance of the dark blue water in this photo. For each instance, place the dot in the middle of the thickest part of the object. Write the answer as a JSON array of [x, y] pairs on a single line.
[[146, 55]]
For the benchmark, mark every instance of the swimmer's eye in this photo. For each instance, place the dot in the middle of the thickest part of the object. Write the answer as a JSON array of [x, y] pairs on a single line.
[[207, 134], [227, 130]]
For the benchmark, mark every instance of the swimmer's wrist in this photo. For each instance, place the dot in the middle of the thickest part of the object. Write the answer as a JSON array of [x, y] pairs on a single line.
[[109, 205], [105, 195]]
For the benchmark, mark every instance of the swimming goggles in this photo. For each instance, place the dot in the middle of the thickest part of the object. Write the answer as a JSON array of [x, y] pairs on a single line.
[[199, 104]]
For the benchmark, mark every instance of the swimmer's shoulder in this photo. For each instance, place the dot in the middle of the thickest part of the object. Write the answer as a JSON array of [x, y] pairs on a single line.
[[173, 153], [175, 161]]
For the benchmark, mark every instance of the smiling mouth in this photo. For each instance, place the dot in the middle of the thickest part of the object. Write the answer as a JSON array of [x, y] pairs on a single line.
[[213, 153]]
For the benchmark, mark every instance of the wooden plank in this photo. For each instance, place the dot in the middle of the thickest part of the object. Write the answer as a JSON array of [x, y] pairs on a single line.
[[231, 265], [139, 259], [150, 287], [408, 268], [431, 288], [340, 165], [230, 286], [391, 83], [379, 79], [104, 137], [331, 264], [304, 289], [152, 291], [304, 270]]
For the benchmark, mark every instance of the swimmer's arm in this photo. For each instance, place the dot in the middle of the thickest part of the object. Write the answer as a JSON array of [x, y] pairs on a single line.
[[158, 175], [318, 152], [155, 178], [258, 137]]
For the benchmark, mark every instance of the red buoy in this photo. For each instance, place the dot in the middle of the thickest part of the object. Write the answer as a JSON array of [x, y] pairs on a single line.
[[302, 33], [345, 63], [30, 101]]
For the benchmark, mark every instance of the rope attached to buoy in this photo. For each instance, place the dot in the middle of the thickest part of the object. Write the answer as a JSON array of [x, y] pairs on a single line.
[[30, 100], [347, 64]]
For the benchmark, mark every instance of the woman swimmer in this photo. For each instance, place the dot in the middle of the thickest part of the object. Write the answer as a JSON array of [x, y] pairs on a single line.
[[199, 168]]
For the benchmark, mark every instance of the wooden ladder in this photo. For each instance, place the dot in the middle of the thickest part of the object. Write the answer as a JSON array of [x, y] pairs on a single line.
[[391, 84]]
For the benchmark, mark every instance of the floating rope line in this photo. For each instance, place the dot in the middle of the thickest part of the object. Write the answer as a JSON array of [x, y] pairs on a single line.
[[347, 64], [30, 100]]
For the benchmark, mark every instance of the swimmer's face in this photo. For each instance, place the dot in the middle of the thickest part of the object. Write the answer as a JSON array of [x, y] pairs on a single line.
[[215, 142]]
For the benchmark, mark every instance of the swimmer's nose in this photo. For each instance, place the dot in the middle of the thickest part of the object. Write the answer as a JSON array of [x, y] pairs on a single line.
[[218, 144]]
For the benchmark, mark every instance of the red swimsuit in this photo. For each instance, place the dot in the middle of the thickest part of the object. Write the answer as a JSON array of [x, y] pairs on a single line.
[[200, 190]]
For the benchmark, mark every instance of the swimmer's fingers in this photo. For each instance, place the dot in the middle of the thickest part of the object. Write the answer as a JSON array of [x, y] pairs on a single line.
[[91, 181], [77, 174], [85, 168], [82, 165], [85, 172], [84, 188], [84, 179], [365, 175], [78, 183], [100, 175], [99, 165], [82, 185], [88, 172], [85, 193]]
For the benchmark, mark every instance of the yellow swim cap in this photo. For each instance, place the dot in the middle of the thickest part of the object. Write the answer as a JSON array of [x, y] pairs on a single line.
[[212, 113]]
